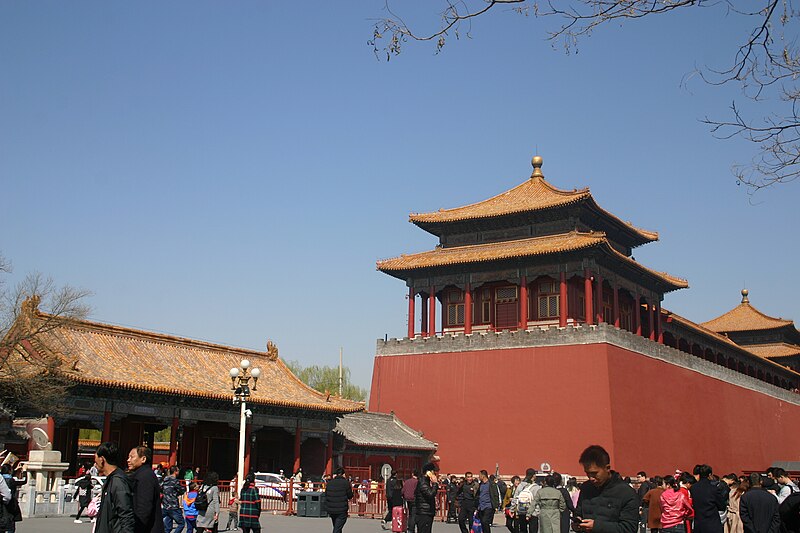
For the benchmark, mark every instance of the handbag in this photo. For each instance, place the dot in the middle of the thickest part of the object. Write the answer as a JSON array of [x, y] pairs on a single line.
[[477, 527]]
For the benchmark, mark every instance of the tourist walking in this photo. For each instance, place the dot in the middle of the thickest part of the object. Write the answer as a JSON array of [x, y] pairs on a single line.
[[708, 500], [733, 524], [425, 498], [570, 509], [606, 502], [83, 493], [644, 487], [467, 495], [522, 504], [208, 517], [147, 514], [116, 510], [189, 509], [759, 509], [409, 489], [675, 507], [488, 500], [548, 504], [653, 501], [13, 505], [338, 493], [249, 505], [171, 508], [511, 521]]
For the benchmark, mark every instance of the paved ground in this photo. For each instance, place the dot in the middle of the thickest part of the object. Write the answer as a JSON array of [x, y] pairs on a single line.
[[269, 523]]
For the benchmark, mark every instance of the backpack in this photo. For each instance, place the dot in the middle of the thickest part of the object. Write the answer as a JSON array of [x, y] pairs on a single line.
[[525, 499], [201, 502]]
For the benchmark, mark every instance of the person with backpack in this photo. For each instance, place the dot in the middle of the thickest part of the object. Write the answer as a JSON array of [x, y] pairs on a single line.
[[207, 503], [522, 503], [83, 493], [249, 505], [189, 509], [13, 505]]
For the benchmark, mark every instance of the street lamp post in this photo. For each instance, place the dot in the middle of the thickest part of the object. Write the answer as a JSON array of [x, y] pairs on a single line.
[[240, 385]]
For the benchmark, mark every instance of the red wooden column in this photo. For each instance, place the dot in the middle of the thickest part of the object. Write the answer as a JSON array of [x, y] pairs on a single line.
[[588, 300], [51, 428], [248, 430], [173, 442], [562, 301], [651, 321], [329, 455], [106, 437], [432, 312], [616, 306], [598, 310], [637, 315], [424, 322], [297, 436], [659, 329], [411, 298], [523, 303], [467, 309]]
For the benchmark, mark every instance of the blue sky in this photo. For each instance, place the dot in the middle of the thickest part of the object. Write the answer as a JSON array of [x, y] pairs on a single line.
[[232, 171]]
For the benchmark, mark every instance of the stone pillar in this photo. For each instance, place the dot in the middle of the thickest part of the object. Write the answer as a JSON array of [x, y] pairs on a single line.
[[616, 306], [523, 303], [598, 310], [637, 315], [297, 436], [588, 300], [468, 309], [424, 313], [432, 312], [563, 300], [173, 442], [411, 298]]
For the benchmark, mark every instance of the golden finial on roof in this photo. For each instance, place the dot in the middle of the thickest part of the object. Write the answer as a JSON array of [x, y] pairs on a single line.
[[537, 167], [745, 299]]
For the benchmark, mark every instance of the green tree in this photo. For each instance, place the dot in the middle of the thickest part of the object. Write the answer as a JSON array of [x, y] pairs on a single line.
[[765, 64], [326, 379]]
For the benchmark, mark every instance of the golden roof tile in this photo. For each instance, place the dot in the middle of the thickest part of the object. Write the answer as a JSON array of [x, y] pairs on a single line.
[[745, 317], [118, 357], [781, 349], [504, 250], [534, 194]]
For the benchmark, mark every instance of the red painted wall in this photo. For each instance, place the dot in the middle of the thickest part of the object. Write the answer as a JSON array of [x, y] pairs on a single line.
[[521, 407]]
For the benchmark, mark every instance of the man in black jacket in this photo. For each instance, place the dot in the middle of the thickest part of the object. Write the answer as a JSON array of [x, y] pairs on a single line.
[[171, 507], [759, 509], [116, 508], [467, 495], [425, 498], [338, 493], [708, 500], [147, 514], [606, 504]]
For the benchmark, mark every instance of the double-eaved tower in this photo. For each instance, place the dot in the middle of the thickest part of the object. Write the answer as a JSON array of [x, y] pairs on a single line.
[[533, 332]]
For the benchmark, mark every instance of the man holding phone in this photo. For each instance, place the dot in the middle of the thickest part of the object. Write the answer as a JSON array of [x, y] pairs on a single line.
[[606, 504], [425, 498]]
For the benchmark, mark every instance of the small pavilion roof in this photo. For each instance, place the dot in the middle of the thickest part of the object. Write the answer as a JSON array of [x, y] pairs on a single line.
[[778, 349], [534, 194], [381, 430], [745, 317], [516, 249], [119, 357]]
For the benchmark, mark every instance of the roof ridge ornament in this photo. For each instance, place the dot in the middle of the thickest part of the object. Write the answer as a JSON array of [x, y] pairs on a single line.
[[537, 166], [745, 299]]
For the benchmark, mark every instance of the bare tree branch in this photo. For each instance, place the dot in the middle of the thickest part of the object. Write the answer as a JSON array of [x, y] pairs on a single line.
[[766, 66]]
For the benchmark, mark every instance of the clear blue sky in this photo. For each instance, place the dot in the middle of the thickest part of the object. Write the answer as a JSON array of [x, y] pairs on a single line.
[[231, 171]]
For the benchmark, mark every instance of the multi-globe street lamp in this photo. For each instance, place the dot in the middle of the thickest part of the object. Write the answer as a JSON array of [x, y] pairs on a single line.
[[240, 385]]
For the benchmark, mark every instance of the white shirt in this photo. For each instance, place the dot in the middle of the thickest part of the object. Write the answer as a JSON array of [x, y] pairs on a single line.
[[5, 492]]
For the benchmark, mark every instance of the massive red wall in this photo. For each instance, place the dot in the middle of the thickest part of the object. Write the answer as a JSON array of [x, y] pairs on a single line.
[[520, 407]]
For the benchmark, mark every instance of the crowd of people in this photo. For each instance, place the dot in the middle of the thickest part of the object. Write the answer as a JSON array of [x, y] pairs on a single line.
[[696, 501]]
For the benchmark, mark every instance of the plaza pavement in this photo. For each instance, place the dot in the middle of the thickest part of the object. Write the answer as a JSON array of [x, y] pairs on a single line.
[[269, 524]]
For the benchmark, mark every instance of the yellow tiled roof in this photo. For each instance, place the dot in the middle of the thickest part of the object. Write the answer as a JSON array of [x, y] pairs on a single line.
[[498, 251], [118, 357], [781, 349], [745, 317], [534, 194]]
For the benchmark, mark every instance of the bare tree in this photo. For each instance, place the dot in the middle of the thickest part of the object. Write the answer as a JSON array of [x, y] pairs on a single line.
[[766, 65], [34, 374]]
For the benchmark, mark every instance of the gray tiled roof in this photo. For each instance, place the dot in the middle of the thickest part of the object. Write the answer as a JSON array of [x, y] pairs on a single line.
[[381, 430]]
